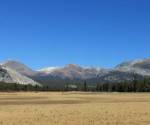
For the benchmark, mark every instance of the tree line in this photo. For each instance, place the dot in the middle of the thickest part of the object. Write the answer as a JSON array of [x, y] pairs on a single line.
[[20, 87], [135, 85], [127, 86]]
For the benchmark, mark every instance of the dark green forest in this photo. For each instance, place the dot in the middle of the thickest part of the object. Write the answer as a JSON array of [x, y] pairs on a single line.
[[126, 86]]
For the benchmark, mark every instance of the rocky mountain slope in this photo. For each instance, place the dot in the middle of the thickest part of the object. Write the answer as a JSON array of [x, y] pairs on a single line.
[[9, 75], [73, 71], [141, 67], [77, 74], [19, 67]]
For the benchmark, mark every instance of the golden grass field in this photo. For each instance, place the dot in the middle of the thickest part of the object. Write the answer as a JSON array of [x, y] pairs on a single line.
[[74, 108]]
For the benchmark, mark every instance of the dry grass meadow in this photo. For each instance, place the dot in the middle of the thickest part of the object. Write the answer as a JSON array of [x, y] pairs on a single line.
[[74, 108]]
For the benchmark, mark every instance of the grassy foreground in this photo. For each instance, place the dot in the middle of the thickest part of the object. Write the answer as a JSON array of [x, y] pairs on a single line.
[[57, 108]]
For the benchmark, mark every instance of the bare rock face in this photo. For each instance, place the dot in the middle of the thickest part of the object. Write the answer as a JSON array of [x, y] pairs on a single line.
[[19, 67], [122, 72], [72, 71], [8, 75], [4, 76], [13, 71], [141, 67]]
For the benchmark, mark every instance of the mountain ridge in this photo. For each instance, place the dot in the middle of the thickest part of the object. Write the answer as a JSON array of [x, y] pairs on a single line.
[[9, 75], [73, 72]]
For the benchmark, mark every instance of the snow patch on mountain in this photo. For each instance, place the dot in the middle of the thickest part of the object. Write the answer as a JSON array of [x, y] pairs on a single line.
[[135, 66], [48, 70]]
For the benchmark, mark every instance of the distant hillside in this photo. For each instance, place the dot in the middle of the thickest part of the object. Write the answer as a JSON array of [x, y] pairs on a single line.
[[9, 75], [58, 77]]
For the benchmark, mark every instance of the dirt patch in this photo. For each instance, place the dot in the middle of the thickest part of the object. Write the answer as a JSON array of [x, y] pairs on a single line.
[[22, 98], [42, 102]]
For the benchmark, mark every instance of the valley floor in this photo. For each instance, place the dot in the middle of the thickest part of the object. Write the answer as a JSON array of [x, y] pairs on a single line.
[[74, 108]]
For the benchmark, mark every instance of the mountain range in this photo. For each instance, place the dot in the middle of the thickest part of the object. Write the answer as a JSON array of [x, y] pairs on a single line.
[[15, 72]]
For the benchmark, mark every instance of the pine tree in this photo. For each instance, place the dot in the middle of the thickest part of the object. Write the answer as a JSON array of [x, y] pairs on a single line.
[[85, 86]]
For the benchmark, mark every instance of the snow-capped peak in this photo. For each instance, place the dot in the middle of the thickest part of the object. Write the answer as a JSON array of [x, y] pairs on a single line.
[[48, 69]]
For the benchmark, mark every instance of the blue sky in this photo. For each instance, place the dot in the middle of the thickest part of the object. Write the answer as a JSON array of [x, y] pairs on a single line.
[[101, 33]]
